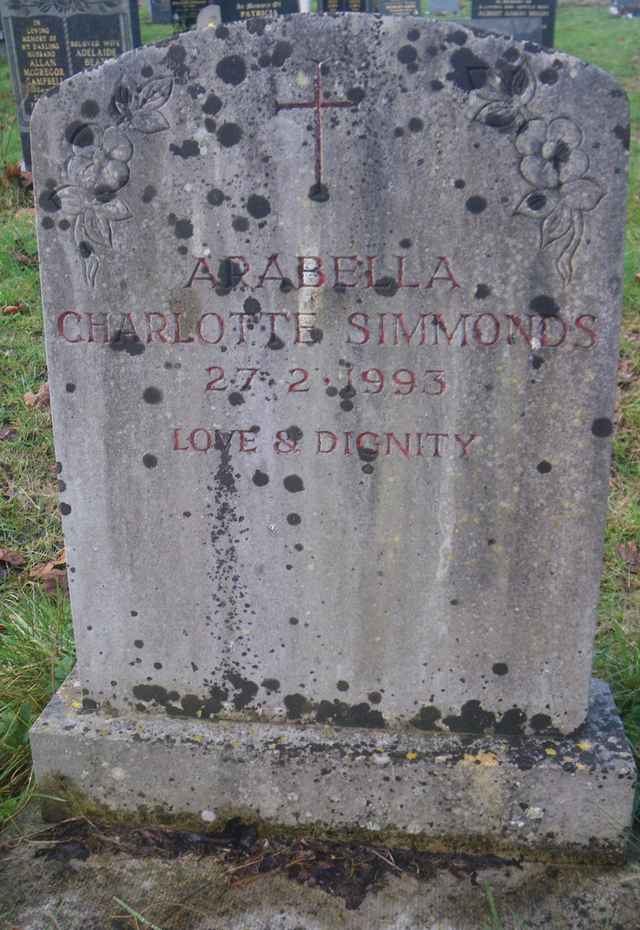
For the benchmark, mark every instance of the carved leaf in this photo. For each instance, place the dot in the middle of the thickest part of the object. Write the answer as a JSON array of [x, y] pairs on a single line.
[[499, 114], [564, 262], [538, 204], [523, 82], [148, 121], [582, 194], [114, 210], [124, 97], [155, 93], [72, 199], [91, 265], [78, 229], [556, 225], [97, 228]]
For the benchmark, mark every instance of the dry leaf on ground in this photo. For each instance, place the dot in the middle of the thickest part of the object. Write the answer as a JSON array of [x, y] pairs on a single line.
[[629, 553], [12, 558], [10, 309], [40, 399], [8, 432], [52, 575]]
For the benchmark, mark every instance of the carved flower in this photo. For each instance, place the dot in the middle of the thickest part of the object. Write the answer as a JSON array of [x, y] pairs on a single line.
[[100, 167], [552, 154]]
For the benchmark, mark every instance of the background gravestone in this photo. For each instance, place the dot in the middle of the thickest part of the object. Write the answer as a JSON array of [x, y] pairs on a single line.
[[444, 6], [531, 20], [233, 10], [184, 13], [331, 309], [160, 12], [47, 42], [345, 6], [399, 7]]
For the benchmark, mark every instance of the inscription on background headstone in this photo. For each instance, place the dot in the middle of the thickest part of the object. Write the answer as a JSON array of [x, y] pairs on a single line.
[[47, 42], [331, 334], [184, 13], [443, 6], [532, 20], [398, 7], [234, 10], [160, 11], [345, 6]]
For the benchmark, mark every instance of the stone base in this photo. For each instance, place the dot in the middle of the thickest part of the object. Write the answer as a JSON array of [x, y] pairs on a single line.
[[541, 797]]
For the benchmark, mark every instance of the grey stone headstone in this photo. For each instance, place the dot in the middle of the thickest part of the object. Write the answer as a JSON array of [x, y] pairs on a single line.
[[209, 16], [48, 42], [332, 348], [527, 20]]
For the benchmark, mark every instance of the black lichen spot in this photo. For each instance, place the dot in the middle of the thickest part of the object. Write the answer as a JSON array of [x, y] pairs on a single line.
[[256, 25], [469, 72], [232, 70], [602, 427], [294, 433], [416, 124], [275, 342], [624, 134], [222, 32], [184, 229], [240, 223], [342, 685], [62, 486], [482, 291], [536, 201], [294, 519], [149, 460], [138, 643], [367, 454], [48, 223], [537, 362], [511, 723], [85, 249], [544, 305], [64, 224], [210, 125], [49, 201], [79, 134], [294, 621], [264, 61], [512, 54], [260, 479], [316, 335], [549, 76], [476, 204], [258, 206], [293, 484], [343, 715], [175, 61], [319, 193], [90, 109], [212, 105], [375, 697], [473, 719], [398, 132], [540, 722], [215, 197], [188, 149], [70, 387], [427, 718], [157, 665], [407, 54], [436, 85], [148, 193], [405, 243], [271, 684], [386, 286], [543, 467], [171, 219], [236, 398], [126, 342], [296, 705], [251, 306], [65, 509], [194, 90], [457, 38], [88, 704], [182, 250], [331, 391], [152, 395], [281, 52], [413, 35], [245, 689], [147, 71], [229, 134], [500, 668]]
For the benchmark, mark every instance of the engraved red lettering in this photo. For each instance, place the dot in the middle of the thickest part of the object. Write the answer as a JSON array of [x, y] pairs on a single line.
[[304, 326], [593, 336], [178, 334], [465, 443], [283, 445], [443, 260], [159, 332], [265, 276], [208, 275], [550, 321], [479, 336], [440, 326], [200, 327], [401, 282], [405, 450], [516, 326], [338, 270], [436, 442], [102, 325], [196, 444], [177, 438], [362, 327], [332, 439], [316, 271], [400, 329], [62, 319], [246, 437]]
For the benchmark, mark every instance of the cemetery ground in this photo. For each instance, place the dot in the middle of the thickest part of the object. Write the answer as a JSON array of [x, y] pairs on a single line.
[[122, 877]]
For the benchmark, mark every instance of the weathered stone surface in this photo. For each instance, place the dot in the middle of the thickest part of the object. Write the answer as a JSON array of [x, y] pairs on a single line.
[[352, 490], [537, 796]]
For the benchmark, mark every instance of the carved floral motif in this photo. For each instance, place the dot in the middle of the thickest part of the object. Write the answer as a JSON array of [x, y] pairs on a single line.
[[98, 168], [552, 161]]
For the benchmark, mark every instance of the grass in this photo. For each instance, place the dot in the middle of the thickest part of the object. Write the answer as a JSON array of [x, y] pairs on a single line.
[[36, 644]]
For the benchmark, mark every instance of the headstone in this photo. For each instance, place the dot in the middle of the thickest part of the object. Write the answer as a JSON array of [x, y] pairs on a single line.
[[209, 16], [233, 10], [345, 6], [628, 7], [160, 11], [527, 20], [398, 7], [444, 6], [519, 27], [47, 42], [332, 333], [184, 13]]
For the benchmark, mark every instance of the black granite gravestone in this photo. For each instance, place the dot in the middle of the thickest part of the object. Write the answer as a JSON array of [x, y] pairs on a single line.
[[49, 40], [184, 13], [532, 20], [398, 7], [233, 10], [345, 6]]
